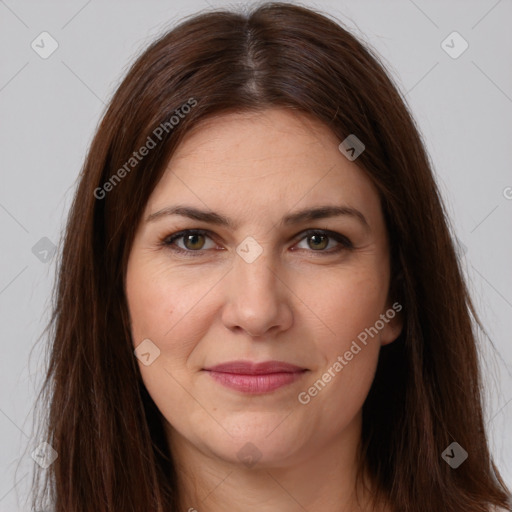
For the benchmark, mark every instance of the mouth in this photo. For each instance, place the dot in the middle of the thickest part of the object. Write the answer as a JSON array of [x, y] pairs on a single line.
[[255, 378]]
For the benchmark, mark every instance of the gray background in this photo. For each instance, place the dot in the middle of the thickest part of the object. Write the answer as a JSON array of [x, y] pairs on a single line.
[[49, 109]]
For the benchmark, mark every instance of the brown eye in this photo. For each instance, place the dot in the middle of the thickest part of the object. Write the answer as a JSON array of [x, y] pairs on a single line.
[[189, 241], [318, 241], [324, 242], [194, 241]]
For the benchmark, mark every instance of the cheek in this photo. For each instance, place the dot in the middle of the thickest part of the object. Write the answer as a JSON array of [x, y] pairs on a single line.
[[156, 298], [163, 308], [348, 304], [345, 302], [170, 307]]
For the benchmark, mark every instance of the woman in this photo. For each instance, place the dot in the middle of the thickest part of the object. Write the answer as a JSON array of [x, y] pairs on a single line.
[[259, 303]]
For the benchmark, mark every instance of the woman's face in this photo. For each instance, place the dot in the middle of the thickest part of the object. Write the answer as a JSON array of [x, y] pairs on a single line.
[[253, 285]]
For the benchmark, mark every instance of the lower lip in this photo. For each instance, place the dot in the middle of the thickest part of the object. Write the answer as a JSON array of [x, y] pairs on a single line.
[[255, 383]]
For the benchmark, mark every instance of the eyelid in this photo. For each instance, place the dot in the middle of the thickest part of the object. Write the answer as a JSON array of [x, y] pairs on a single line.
[[168, 240], [343, 241]]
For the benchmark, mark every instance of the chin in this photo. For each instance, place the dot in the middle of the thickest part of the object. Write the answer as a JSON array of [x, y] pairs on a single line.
[[255, 449]]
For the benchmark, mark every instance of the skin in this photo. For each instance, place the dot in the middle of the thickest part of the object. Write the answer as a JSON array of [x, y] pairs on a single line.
[[297, 302]]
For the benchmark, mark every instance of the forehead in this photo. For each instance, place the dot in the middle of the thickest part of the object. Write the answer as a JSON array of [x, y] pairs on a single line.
[[275, 159], [253, 138]]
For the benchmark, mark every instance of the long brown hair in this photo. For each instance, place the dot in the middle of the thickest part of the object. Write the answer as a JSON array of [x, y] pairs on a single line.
[[108, 433]]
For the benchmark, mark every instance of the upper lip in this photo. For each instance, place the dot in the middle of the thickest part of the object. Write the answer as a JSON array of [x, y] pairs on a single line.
[[251, 368]]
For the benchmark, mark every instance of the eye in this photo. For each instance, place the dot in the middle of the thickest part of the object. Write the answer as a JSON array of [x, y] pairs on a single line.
[[193, 240], [318, 240]]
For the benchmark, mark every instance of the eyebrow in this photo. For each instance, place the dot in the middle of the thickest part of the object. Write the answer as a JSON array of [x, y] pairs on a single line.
[[308, 214]]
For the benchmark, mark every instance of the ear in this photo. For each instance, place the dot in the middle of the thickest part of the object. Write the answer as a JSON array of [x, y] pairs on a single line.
[[393, 319]]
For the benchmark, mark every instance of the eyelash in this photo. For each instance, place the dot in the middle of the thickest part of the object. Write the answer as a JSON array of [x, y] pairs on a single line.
[[168, 241]]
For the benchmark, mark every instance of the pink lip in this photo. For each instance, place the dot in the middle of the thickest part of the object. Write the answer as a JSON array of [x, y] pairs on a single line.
[[251, 377]]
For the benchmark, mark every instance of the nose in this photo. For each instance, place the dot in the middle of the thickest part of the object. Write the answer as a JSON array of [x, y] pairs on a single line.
[[258, 301]]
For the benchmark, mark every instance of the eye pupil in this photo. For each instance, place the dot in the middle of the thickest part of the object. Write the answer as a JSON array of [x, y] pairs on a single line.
[[317, 238], [191, 238]]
